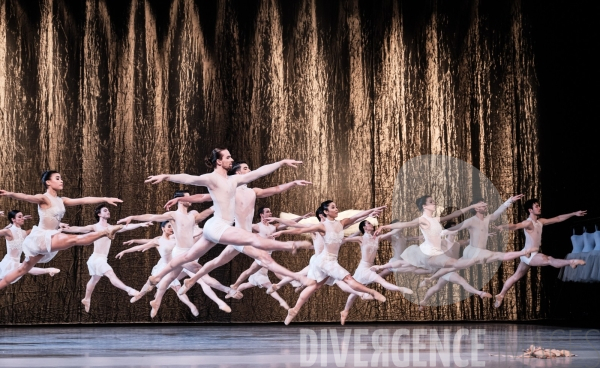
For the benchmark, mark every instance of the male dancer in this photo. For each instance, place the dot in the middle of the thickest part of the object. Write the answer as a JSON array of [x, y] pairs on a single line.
[[532, 227]]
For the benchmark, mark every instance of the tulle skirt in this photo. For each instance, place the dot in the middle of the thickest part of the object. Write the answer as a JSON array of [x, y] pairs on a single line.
[[363, 273], [39, 241], [7, 265]]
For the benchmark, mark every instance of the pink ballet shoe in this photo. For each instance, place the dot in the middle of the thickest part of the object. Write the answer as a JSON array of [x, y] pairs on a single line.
[[291, 315], [405, 291], [155, 306], [194, 311], [366, 296], [86, 304], [273, 288], [284, 305], [576, 262], [485, 295], [53, 272], [225, 308], [343, 316], [499, 298]]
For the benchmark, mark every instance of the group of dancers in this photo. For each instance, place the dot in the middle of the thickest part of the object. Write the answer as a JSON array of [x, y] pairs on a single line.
[[183, 242]]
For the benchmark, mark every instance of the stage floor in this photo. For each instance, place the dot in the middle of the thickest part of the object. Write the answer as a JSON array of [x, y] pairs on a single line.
[[271, 345]]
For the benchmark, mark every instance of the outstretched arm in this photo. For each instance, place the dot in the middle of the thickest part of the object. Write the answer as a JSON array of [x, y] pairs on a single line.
[[562, 218], [264, 170], [282, 226], [147, 217], [6, 233], [130, 227], [196, 198], [35, 199], [457, 213], [504, 207], [289, 222], [359, 216], [263, 193], [398, 225], [300, 230], [388, 235], [137, 241], [78, 229], [90, 200], [352, 239], [201, 180], [512, 227], [201, 216], [153, 243]]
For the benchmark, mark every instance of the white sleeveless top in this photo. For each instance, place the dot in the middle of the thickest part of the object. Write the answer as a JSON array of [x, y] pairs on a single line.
[[165, 247], [334, 236], [432, 246], [369, 247], [15, 247], [51, 216]]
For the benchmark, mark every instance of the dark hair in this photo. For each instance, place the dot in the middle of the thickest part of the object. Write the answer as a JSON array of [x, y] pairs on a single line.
[[325, 206], [46, 176], [529, 204], [319, 212], [163, 224], [235, 167], [211, 160], [261, 210], [180, 193], [475, 201], [361, 226], [98, 209], [421, 201], [12, 215]]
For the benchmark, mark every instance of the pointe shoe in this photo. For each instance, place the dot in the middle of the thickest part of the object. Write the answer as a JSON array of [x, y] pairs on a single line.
[[86, 304], [273, 288], [238, 295], [188, 283], [366, 296], [485, 295], [155, 306], [498, 301], [422, 305], [405, 291], [291, 314], [225, 308], [133, 293], [53, 272], [343, 316], [380, 298], [183, 289], [577, 262], [284, 305], [112, 230], [147, 288], [194, 311]]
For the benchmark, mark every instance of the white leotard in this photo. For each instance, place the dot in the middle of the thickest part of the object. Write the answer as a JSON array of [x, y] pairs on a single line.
[[432, 246], [369, 247], [39, 240]]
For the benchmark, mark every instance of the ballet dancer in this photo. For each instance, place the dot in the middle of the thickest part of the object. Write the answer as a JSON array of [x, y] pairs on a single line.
[[327, 262], [223, 191], [164, 244], [98, 262], [46, 239], [532, 227], [369, 245], [452, 277], [398, 242], [15, 236], [184, 221]]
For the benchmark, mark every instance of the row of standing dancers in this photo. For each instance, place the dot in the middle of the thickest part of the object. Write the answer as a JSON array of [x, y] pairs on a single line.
[[182, 242]]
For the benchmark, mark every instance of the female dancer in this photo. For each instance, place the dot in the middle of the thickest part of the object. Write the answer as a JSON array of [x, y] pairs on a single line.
[[46, 239], [363, 274], [15, 236], [398, 242], [164, 244], [98, 262], [326, 263]]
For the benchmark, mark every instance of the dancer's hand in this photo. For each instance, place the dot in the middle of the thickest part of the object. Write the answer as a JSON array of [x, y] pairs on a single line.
[[27, 217], [125, 220], [580, 213], [501, 227], [516, 198], [171, 203], [380, 230], [113, 201], [307, 215], [146, 224], [120, 254], [302, 183], [128, 242], [292, 163], [376, 268], [5, 193], [62, 225], [275, 235], [156, 179]]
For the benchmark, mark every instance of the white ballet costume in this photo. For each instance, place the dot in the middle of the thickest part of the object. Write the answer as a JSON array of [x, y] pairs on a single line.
[[98, 261], [14, 249], [244, 212], [39, 240], [217, 225], [479, 232], [532, 240], [368, 248], [328, 262], [260, 277], [165, 249], [430, 250]]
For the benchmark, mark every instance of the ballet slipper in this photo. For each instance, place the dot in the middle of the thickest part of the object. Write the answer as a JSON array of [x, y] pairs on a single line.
[[153, 280], [380, 298], [577, 262], [405, 291], [133, 292], [295, 283], [53, 271], [187, 284], [112, 230], [291, 314], [238, 295], [86, 304], [299, 288], [147, 288], [225, 308], [343, 316], [284, 305], [155, 306], [498, 302], [422, 305], [484, 295], [366, 296], [194, 311], [273, 288]]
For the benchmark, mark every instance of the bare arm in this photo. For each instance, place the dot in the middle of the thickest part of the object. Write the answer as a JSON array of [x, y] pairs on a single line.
[[300, 230], [282, 226], [504, 207], [201, 216], [263, 171], [512, 227], [130, 227], [6, 233], [352, 239], [387, 236], [561, 218], [457, 213], [398, 225], [263, 193], [363, 214], [288, 222], [78, 229], [90, 200], [147, 217], [201, 180], [196, 198], [35, 199], [153, 243]]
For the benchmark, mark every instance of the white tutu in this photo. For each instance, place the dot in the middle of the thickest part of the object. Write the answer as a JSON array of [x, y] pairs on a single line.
[[316, 273], [159, 266], [7, 265], [214, 228], [39, 241], [329, 264], [472, 252], [416, 257], [98, 265], [259, 278], [363, 273]]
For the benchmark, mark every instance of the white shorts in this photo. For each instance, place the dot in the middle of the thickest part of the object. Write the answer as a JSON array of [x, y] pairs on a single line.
[[363, 273], [98, 265], [214, 228], [239, 248], [447, 276], [8, 265], [39, 241], [259, 278], [472, 252], [528, 259]]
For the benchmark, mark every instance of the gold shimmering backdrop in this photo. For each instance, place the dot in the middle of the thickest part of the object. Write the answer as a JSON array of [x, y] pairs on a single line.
[[110, 92]]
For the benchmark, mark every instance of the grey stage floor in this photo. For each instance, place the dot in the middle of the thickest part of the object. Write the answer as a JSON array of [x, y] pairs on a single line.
[[427, 345]]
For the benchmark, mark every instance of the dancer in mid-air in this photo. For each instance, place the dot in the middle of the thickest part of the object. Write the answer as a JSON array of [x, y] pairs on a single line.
[[532, 227], [46, 239], [98, 262], [15, 236]]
